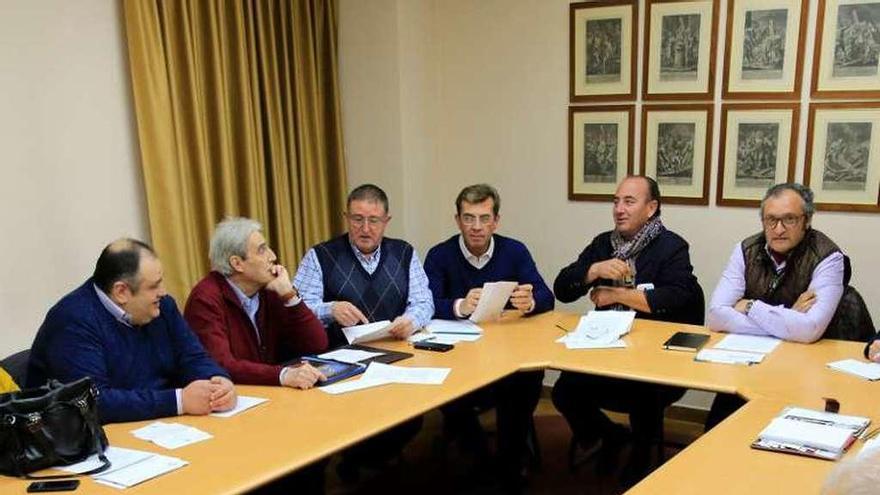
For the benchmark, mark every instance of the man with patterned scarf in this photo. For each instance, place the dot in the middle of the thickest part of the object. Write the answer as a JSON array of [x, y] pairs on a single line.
[[640, 266]]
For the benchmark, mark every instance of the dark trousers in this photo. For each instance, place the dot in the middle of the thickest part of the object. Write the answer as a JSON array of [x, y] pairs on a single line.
[[579, 397], [515, 398], [383, 446]]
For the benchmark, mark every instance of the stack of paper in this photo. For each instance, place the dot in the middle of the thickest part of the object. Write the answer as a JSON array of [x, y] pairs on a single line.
[[243, 403], [600, 330], [368, 332], [739, 349], [868, 371], [812, 433], [493, 298], [449, 332], [383, 374], [170, 435], [350, 356], [129, 467]]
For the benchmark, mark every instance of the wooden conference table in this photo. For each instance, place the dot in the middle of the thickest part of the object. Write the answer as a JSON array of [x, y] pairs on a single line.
[[296, 428]]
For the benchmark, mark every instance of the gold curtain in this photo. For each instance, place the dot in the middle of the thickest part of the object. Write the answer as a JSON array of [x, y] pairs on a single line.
[[237, 109]]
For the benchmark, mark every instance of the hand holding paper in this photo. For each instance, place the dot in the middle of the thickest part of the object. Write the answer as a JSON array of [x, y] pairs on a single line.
[[493, 298]]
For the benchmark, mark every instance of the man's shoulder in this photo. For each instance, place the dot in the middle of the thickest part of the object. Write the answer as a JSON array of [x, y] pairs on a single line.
[[510, 246], [209, 289], [672, 239], [79, 304], [444, 248]]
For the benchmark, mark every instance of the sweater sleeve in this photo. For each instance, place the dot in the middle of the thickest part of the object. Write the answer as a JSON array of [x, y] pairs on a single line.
[[301, 331], [528, 274], [206, 316], [193, 361], [78, 350], [437, 282], [571, 283]]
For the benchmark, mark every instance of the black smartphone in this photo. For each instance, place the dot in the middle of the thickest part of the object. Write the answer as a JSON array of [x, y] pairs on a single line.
[[53, 486], [433, 346]]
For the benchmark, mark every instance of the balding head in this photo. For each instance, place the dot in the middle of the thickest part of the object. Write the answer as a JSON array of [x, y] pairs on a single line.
[[120, 261]]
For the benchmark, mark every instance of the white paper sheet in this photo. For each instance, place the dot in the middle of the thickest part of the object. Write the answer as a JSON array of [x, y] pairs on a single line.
[[492, 301], [367, 333], [400, 374], [728, 357], [352, 385], [448, 338], [605, 325], [170, 435], [243, 403], [151, 467], [119, 458], [748, 343], [808, 434], [466, 327], [868, 371], [349, 355]]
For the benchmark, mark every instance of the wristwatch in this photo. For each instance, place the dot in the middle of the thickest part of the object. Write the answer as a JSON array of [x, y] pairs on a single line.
[[749, 305], [293, 294]]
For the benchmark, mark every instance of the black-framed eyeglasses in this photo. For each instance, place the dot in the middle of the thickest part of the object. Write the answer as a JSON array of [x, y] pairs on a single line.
[[360, 220], [787, 221]]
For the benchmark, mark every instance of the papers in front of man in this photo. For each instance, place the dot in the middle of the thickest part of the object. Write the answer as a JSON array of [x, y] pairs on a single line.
[[128, 467], [600, 330], [722, 356], [378, 374], [170, 435], [868, 371], [455, 327], [493, 298], [748, 343], [811, 433], [350, 356], [367, 332], [243, 403]]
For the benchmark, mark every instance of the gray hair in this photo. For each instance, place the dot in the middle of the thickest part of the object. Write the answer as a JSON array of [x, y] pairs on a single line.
[[857, 476], [368, 192], [803, 191], [478, 193], [230, 239]]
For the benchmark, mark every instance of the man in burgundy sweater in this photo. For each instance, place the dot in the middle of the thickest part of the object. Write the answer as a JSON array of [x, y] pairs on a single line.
[[249, 316]]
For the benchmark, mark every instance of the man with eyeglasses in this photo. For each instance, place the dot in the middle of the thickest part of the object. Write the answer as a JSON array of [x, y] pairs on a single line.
[[457, 268], [785, 281], [362, 277]]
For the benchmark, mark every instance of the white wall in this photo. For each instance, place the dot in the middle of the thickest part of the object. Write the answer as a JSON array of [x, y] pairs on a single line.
[[71, 175], [482, 95]]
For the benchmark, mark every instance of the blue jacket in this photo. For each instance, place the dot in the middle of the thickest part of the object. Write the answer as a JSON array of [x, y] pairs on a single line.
[[136, 369], [451, 276]]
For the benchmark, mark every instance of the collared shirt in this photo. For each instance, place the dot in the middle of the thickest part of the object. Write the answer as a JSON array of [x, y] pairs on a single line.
[[480, 261], [309, 280], [114, 309], [250, 305], [124, 318], [776, 321]]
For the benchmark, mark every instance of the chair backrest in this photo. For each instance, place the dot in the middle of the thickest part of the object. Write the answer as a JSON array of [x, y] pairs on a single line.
[[852, 320], [16, 365]]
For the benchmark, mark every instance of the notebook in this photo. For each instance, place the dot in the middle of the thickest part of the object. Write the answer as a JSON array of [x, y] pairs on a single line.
[[686, 341], [811, 433]]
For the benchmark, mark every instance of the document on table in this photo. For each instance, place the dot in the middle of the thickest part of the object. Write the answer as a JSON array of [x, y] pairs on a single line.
[[401, 374], [600, 330], [243, 403], [466, 327], [868, 371], [448, 338], [368, 332], [128, 467], [728, 357], [353, 385], [748, 343], [351, 356], [170, 435], [492, 301]]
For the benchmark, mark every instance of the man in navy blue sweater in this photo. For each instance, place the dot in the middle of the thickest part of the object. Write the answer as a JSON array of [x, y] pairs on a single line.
[[457, 269], [640, 266], [122, 329]]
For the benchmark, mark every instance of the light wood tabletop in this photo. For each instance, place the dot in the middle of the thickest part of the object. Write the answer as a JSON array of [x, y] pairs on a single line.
[[297, 427]]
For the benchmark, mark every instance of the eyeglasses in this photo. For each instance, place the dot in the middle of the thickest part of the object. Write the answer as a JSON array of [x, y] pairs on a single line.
[[788, 221], [359, 220], [469, 219]]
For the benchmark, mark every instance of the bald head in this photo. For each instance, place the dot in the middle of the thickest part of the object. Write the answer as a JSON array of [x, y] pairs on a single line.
[[120, 261]]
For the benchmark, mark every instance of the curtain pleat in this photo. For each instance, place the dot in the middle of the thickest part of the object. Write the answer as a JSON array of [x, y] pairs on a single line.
[[237, 108]]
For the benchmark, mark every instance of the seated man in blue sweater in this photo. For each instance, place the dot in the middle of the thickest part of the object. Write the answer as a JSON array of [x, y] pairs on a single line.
[[639, 266], [457, 269], [122, 329]]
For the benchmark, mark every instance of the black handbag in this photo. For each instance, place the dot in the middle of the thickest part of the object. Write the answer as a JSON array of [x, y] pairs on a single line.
[[56, 424]]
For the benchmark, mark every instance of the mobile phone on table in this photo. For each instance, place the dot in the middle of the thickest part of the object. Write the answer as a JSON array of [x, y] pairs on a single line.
[[433, 346], [53, 486]]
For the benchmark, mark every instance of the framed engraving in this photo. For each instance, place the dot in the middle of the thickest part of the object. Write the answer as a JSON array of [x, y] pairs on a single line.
[[845, 59], [602, 57], [757, 149], [843, 156], [763, 56], [599, 150], [676, 147], [680, 37]]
